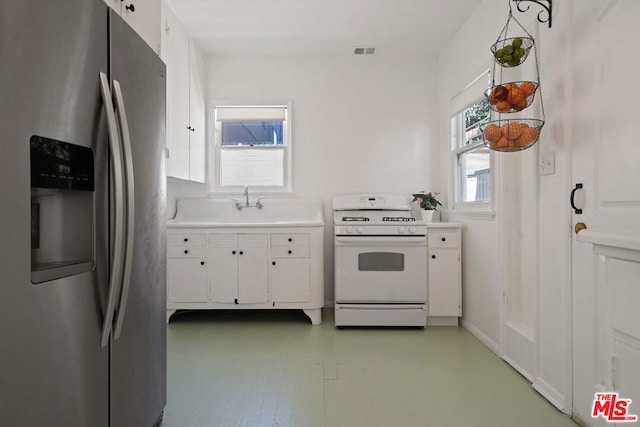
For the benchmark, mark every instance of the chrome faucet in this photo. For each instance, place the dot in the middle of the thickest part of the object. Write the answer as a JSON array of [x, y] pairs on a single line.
[[239, 205]]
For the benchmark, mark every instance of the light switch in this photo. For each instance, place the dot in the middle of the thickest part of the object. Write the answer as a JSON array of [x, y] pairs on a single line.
[[547, 165]]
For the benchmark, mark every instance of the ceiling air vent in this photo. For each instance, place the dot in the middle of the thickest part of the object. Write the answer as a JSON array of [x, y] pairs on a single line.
[[364, 50]]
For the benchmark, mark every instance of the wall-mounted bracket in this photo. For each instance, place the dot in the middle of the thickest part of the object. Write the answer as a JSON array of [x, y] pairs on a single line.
[[543, 15]]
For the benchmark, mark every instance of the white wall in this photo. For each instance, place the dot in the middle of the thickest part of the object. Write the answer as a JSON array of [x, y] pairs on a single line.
[[360, 124], [515, 265]]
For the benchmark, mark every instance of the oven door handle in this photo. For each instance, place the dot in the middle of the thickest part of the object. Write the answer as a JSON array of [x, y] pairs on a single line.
[[382, 240]]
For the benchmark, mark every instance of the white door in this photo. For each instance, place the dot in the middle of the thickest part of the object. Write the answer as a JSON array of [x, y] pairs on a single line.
[[253, 274], [187, 280], [176, 55], [444, 282], [290, 280], [605, 160], [222, 252]]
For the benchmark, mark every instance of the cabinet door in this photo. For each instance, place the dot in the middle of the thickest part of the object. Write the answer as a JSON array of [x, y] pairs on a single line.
[[444, 282], [291, 280], [143, 16], [197, 153], [176, 56], [253, 259], [222, 250], [186, 280]]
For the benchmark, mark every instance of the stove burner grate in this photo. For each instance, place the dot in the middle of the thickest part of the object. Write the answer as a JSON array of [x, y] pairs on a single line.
[[397, 219], [354, 218]]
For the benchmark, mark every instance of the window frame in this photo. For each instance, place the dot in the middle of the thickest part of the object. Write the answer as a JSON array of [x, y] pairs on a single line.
[[469, 96], [215, 186]]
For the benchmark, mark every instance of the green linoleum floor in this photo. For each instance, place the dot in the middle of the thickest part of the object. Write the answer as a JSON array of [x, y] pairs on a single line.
[[273, 368]]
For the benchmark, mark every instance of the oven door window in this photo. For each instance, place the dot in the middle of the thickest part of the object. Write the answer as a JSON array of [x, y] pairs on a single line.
[[380, 261]]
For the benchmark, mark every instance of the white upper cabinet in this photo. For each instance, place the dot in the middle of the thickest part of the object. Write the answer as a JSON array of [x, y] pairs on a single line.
[[185, 102], [143, 16]]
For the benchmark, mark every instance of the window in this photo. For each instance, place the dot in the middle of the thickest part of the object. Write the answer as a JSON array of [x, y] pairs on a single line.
[[472, 159], [252, 147]]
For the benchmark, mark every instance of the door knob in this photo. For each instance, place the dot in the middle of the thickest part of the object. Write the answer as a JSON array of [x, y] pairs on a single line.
[[579, 227], [130, 8]]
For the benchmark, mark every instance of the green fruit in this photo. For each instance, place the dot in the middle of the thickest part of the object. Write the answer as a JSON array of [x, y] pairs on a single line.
[[507, 58], [499, 53], [522, 51], [508, 49], [517, 54], [514, 63], [517, 42]]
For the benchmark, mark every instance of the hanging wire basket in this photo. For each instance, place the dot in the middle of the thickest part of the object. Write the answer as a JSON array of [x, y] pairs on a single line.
[[513, 51], [511, 134], [511, 97]]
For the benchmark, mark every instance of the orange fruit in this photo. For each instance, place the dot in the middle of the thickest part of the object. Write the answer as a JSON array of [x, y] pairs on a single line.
[[502, 143], [515, 129], [503, 105], [492, 133], [528, 88], [516, 96], [521, 105], [529, 134]]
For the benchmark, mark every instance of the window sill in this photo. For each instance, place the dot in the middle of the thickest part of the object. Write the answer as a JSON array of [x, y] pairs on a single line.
[[481, 215]]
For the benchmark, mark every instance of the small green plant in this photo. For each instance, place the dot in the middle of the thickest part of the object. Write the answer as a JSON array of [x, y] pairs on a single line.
[[427, 201]]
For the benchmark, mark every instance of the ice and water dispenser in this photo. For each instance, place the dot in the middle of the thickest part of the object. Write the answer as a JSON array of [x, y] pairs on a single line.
[[62, 209]]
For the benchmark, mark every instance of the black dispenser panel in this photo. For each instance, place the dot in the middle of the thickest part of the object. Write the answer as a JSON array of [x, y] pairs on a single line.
[[62, 209], [60, 165]]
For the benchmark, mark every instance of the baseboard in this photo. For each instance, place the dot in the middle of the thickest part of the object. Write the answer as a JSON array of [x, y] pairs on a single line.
[[518, 368], [519, 348], [551, 394], [481, 336]]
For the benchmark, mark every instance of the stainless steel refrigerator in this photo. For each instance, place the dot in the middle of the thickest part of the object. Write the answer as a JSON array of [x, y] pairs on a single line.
[[82, 214]]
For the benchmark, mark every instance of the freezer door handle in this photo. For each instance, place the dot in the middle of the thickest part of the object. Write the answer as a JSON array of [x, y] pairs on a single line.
[[115, 151], [130, 206]]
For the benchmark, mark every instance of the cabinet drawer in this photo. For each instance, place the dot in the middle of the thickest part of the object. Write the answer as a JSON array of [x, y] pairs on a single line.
[[186, 239], [186, 252], [290, 239], [443, 239], [291, 251]]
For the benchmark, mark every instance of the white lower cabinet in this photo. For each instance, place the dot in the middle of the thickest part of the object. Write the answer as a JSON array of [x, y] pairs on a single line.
[[236, 269], [187, 267], [191, 274], [444, 274], [290, 268], [239, 264]]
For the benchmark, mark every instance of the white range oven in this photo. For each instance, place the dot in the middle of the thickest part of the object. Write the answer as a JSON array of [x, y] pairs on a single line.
[[380, 263]]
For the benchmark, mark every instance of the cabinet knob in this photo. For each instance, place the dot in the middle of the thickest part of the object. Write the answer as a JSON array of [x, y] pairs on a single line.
[[241, 252], [290, 239], [186, 251], [433, 256], [186, 239], [233, 252], [444, 239], [273, 263], [130, 8], [201, 262], [290, 252]]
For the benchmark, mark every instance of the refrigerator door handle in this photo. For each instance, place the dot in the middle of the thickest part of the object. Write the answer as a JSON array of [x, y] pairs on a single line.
[[130, 207], [115, 151]]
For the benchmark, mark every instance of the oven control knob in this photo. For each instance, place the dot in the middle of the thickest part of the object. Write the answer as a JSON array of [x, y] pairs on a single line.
[[360, 229], [350, 229], [412, 229], [401, 230]]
